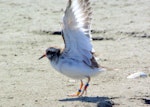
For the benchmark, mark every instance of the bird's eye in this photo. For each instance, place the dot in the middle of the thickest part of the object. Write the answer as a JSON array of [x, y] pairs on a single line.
[[48, 52]]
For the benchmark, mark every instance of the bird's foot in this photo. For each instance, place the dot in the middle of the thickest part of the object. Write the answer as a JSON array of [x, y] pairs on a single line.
[[84, 92], [75, 95], [80, 93]]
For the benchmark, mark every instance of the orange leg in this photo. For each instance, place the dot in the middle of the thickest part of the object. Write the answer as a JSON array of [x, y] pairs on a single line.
[[79, 91], [85, 87]]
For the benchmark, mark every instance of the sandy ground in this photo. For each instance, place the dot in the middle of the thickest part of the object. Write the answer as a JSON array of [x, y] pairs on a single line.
[[27, 82]]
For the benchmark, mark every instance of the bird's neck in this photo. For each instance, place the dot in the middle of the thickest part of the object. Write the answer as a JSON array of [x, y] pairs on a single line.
[[55, 59]]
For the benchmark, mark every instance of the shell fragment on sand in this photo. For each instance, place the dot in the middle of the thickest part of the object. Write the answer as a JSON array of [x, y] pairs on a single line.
[[72, 81], [137, 75]]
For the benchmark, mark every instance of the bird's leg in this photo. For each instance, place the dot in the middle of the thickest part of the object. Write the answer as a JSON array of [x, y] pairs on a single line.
[[85, 87], [79, 91]]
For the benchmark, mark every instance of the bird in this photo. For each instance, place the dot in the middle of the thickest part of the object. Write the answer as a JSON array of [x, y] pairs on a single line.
[[77, 59]]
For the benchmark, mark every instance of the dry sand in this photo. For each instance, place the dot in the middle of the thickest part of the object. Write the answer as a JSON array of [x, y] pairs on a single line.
[[27, 82]]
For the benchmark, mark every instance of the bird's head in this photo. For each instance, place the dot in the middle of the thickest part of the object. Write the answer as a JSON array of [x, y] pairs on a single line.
[[51, 53]]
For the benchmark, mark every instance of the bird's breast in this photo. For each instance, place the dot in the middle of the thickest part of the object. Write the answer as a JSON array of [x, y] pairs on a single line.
[[74, 68]]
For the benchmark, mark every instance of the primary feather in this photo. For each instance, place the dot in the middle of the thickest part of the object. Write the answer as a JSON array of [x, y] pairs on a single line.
[[76, 31]]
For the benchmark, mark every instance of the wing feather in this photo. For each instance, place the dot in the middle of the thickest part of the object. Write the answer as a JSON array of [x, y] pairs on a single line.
[[76, 30]]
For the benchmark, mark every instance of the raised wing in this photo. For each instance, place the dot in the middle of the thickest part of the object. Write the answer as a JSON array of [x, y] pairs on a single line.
[[76, 31]]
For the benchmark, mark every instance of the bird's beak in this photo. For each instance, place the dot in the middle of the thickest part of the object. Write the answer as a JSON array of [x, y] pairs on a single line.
[[42, 56]]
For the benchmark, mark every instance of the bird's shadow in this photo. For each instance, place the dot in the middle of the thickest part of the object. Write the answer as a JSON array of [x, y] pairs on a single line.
[[87, 99]]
